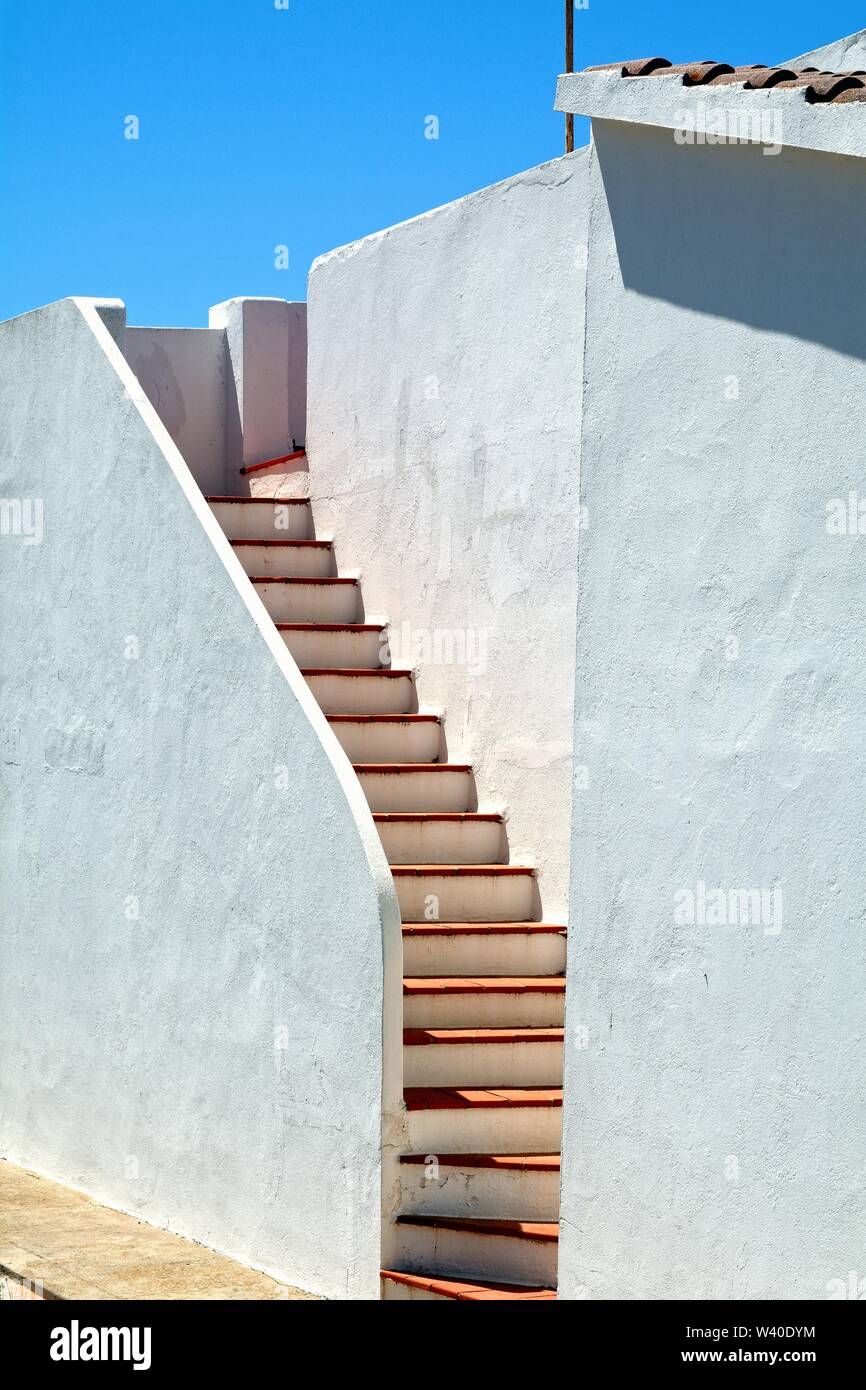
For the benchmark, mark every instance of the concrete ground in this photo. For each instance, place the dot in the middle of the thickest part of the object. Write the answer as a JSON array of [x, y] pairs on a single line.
[[56, 1243]]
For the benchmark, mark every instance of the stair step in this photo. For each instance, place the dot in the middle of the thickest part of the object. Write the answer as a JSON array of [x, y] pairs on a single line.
[[355, 690], [470, 1098], [493, 984], [416, 786], [493, 1001], [452, 1119], [263, 518], [482, 1057], [523, 1187], [298, 558], [479, 1247], [442, 837], [399, 1285], [335, 645], [547, 1231], [287, 474], [483, 994], [307, 600], [489, 892], [483, 948], [480, 1037], [500, 1163], [389, 738]]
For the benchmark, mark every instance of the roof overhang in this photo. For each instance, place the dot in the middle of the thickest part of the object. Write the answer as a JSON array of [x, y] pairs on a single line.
[[723, 114]]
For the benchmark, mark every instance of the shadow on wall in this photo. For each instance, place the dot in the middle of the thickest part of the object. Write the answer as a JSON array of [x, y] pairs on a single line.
[[769, 240], [156, 368]]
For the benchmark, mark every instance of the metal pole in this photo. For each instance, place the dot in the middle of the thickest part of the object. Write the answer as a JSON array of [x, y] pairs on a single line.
[[569, 67]]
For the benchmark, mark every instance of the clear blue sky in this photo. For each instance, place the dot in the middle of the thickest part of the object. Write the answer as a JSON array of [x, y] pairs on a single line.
[[302, 127]]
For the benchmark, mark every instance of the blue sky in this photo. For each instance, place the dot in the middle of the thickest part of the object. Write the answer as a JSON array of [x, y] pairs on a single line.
[[300, 127]]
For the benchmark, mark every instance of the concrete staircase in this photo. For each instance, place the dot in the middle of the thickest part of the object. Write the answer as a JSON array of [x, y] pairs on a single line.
[[484, 986]]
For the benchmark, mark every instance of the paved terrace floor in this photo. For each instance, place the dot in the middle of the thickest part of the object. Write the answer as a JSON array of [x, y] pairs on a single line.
[[55, 1243]]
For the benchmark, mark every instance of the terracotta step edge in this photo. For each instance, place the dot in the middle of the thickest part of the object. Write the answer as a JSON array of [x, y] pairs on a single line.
[[521, 1230], [461, 1289]]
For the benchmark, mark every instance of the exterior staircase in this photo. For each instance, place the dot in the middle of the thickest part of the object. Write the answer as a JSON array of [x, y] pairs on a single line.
[[484, 986]]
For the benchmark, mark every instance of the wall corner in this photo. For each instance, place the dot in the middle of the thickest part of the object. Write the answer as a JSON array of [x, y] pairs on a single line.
[[266, 378]]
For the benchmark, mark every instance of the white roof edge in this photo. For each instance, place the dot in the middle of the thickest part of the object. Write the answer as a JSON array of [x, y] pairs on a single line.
[[559, 165], [771, 117]]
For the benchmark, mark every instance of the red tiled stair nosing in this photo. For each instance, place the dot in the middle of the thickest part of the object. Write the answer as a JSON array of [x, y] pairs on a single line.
[[410, 817], [478, 1290], [321, 580], [264, 501], [403, 769], [535, 1163], [482, 928], [384, 718], [482, 1098], [361, 672], [483, 984], [330, 627], [272, 463], [290, 545], [479, 1037], [486, 1226], [461, 870]]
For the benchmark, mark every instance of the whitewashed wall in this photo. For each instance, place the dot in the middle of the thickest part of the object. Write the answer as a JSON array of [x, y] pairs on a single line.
[[266, 384], [443, 433], [183, 374], [715, 1111], [199, 935], [231, 394]]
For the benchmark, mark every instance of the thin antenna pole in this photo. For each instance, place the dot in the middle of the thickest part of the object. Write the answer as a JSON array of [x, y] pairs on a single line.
[[569, 67]]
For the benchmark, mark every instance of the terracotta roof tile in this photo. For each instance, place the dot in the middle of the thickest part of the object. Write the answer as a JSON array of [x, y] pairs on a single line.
[[769, 77], [830, 86], [851, 94], [742, 77], [818, 86], [641, 67]]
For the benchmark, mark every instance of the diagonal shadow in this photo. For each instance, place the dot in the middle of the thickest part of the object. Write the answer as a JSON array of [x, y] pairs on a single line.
[[774, 241]]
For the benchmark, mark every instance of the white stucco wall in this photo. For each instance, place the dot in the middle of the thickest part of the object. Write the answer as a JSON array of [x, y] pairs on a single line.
[[197, 914], [230, 394], [443, 430], [183, 373], [266, 381], [715, 1113]]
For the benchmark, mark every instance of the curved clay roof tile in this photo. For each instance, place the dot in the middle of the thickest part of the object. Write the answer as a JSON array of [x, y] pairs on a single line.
[[820, 86], [851, 94], [699, 74], [741, 76], [644, 67], [827, 86], [770, 77], [800, 79], [635, 67]]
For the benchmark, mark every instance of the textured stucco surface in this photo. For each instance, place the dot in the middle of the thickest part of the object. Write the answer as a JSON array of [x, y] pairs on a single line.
[[714, 1114], [183, 373], [195, 902], [444, 404]]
